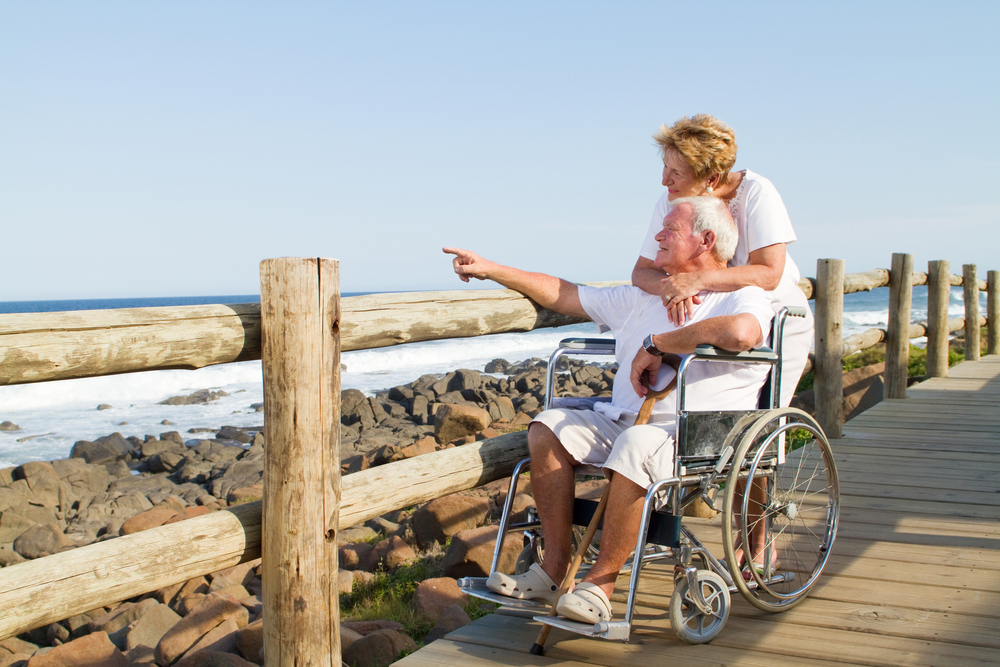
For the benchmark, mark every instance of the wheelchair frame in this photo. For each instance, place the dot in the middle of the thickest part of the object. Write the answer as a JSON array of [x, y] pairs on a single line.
[[752, 453]]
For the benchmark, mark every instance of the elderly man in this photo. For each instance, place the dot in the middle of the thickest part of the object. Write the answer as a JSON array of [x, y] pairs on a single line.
[[697, 234]]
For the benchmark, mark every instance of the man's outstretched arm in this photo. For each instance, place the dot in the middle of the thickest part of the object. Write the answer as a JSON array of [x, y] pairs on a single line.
[[547, 291], [736, 333]]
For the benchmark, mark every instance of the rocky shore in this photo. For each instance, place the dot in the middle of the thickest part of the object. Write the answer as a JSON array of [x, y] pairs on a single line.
[[116, 486]]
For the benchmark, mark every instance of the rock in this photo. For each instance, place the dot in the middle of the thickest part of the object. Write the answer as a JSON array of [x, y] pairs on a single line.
[[455, 421], [221, 638], [210, 612], [12, 526], [147, 632], [424, 445], [87, 651], [121, 617], [15, 645], [368, 627], [381, 647], [358, 534], [465, 379], [348, 637], [497, 366], [57, 634], [345, 581], [433, 596], [108, 449], [443, 517], [392, 552], [452, 618], [9, 426], [146, 520], [471, 553], [355, 556], [200, 397], [214, 659], [250, 640], [104, 406], [241, 574], [42, 540], [8, 556]]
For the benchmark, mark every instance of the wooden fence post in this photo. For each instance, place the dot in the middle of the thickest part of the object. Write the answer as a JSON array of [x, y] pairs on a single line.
[[828, 387], [970, 290], [300, 350], [938, 293], [992, 312], [897, 346]]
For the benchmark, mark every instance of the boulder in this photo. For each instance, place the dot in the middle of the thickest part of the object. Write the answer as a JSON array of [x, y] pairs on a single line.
[[368, 627], [147, 632], [355, 556], [87, 651], [9, 426], [214, 659], [443, 517], [392, 552], [221, 638], [42, 540], [455, 421], [8, 556], [103, 450], [381, 647], [210, 612], [471, 553], [451, 619], [149, 519], [433, 596], [497, 366], [12, 526], [250, 640]]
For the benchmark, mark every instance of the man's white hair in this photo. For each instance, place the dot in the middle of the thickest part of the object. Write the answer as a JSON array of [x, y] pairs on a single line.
[[712, 214]]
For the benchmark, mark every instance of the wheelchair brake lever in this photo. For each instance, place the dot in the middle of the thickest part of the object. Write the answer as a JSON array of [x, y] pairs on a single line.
[[724, 457]]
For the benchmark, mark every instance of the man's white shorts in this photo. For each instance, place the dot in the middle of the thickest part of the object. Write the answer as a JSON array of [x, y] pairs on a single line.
[[643, 454]]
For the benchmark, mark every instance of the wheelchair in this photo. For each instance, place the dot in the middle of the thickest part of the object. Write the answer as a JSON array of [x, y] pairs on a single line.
[[769, 472]]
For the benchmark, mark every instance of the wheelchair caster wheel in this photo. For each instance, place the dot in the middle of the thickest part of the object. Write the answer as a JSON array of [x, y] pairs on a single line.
[[687, 618]]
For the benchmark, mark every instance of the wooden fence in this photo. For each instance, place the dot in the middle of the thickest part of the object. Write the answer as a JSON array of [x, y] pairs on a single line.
[[299, 331]]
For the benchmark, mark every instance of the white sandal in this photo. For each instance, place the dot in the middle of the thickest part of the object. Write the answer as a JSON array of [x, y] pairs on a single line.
[[534, 584], [587, 604]]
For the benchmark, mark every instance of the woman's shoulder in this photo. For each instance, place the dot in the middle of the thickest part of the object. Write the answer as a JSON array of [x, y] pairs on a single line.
[[753, 180]]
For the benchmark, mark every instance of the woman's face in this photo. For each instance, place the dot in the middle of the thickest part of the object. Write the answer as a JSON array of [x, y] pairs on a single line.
[[678, 177]]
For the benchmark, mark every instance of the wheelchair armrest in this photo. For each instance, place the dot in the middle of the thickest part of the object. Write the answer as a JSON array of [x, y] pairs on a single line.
[[588, 345], [763, 354]]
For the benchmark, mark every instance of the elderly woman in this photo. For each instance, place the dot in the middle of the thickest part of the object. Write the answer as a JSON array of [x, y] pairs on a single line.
[[698, 154]]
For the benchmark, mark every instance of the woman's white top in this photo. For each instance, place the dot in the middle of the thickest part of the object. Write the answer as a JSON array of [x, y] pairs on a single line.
[[762, 221]]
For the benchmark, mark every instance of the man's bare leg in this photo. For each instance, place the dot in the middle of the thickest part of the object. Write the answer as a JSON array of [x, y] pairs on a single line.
[[621, 529], [554, 484]]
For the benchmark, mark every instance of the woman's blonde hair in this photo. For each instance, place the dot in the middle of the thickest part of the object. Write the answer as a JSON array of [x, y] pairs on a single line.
[[705, 143]]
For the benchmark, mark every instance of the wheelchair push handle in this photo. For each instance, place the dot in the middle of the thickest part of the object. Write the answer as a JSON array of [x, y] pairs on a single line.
[[796, 311]]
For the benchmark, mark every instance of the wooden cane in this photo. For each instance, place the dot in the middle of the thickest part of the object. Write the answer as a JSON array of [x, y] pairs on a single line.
[[538, 648]]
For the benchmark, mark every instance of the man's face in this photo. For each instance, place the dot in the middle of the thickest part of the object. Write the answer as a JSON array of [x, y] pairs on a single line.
[[678, 246]]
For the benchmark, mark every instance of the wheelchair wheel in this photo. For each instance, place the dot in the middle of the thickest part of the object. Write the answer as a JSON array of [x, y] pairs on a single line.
[[791, 509], [689, 622]]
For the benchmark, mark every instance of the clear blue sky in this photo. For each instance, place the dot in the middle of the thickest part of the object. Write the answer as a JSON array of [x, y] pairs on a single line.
[[165, 148]]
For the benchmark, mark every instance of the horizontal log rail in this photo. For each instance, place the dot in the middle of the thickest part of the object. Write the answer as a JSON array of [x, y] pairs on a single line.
[[39, 347], [47, 590]]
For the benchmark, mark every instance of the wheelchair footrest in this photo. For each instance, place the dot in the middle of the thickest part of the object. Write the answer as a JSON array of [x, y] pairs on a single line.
[[603, 630], [476, 587]]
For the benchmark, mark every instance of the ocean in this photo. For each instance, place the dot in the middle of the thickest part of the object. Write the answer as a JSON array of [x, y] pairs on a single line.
[[54, 415]]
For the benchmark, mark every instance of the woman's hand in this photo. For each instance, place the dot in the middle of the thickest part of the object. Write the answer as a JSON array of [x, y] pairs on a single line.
[[642, 363], [468, 264], [679, 294]]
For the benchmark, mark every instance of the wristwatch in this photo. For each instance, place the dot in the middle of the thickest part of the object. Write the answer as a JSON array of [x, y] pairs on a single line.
[[647, 344]]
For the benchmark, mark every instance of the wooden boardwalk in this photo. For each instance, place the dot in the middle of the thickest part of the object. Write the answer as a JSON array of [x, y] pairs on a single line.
[[914, 578]]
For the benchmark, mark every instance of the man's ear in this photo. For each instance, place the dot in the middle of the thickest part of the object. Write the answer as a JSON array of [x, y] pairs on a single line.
[[708, 240]]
